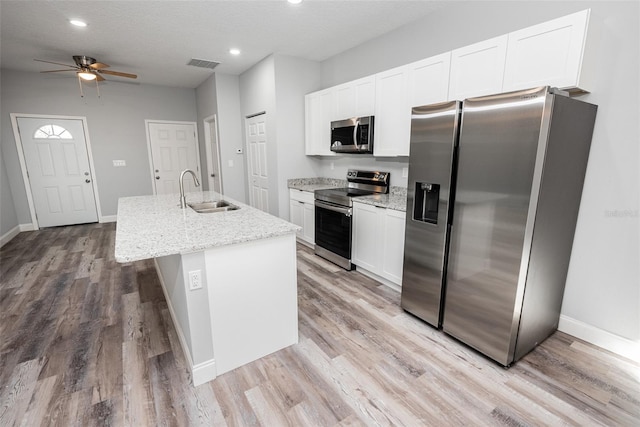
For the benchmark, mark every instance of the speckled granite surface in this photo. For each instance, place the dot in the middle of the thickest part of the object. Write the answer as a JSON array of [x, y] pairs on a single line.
[[396, 199], [313, 184], [155, 226]]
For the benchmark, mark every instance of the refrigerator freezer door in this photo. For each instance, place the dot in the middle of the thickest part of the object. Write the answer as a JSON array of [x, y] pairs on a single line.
[[499, 144], [434, 133]]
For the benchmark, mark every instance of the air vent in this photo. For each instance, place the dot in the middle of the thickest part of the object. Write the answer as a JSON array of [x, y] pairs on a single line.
[[203, 63]]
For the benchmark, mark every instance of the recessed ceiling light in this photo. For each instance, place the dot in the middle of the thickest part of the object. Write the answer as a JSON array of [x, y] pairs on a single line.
[[78, 23], [234, 51], [294, 1]]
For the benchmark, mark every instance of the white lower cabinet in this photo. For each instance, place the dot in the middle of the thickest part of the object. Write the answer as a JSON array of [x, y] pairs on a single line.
[[378, 241], [302, 213]]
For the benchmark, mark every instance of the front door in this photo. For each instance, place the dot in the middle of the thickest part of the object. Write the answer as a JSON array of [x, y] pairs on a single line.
[[256, 128], [57, 162], [174, 148]]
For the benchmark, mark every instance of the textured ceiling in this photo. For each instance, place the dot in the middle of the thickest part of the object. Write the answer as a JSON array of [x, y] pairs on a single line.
[[156, 39]]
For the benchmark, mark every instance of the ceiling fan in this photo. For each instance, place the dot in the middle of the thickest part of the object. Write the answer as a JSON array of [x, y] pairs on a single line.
[[88, 68]]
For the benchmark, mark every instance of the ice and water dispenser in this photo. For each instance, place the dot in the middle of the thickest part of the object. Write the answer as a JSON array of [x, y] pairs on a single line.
[[427, 199]]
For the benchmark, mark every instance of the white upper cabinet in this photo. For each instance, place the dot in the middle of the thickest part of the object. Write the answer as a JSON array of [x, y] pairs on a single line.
[[392, 114], [429, 80], [550, 53], [355, 98], [319, 112], [478, 69], [365, 96]]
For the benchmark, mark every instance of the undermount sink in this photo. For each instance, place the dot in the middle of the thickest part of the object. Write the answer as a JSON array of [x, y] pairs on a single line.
[[211, 207]]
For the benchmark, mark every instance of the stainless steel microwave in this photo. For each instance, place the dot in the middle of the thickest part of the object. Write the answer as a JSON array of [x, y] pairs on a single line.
[[354, 135]]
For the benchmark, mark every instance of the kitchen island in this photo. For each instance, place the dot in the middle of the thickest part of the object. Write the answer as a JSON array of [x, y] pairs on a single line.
[[229, 278]]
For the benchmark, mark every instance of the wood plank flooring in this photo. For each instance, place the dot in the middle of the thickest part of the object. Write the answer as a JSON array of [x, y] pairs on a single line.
[[86, 341]]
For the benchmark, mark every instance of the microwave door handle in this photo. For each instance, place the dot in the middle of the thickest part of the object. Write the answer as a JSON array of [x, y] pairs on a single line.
[[355, 135]]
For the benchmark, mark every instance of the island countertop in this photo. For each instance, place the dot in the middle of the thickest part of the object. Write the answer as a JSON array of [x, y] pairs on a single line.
[[156, 226]]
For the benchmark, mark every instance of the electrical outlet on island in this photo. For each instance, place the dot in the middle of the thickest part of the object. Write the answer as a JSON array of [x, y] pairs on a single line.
[[195, 280]]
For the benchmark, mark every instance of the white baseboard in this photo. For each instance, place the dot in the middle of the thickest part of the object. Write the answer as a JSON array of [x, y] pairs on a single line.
[[614, 343], [108, 218], [380, 279], [9, 235], [202, 372], [6, 237], [26, 227]]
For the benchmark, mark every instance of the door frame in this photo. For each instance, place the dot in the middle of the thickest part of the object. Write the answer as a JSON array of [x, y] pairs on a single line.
[[150, 154], [207, 123], [248, 156], [23, 163]]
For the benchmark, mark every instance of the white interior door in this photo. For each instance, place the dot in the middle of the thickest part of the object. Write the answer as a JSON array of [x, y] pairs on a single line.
[[57, 162], [213, 155], [256, 131], [174, 148]]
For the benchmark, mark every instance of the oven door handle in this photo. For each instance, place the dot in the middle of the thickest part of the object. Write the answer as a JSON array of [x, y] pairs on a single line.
[[340, 209]]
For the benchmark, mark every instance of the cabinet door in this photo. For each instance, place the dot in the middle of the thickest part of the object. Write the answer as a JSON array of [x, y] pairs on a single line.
[[345, 101], [393, 117], [326, 116], [296, 214], [319, 111], [547, 54], [429, 80], [478, 69], [309, 223], [393, 257], [366, 236], [364, 96], [311, 110]]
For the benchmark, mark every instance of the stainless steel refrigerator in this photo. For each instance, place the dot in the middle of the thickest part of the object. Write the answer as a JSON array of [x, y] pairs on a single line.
[[518, 172]]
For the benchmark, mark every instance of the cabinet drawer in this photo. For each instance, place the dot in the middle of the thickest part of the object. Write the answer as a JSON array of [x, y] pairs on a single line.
[[301, 196]]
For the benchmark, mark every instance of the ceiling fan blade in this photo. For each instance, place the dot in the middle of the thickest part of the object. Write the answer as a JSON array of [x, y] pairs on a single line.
[[56, 63], [118, 73], [55, 71], [100, 78], [98, 66]]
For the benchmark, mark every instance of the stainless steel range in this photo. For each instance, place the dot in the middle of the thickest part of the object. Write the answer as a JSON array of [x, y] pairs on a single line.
[[333, 211]]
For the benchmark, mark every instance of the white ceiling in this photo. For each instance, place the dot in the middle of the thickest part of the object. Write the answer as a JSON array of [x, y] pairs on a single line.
[[156, 39]]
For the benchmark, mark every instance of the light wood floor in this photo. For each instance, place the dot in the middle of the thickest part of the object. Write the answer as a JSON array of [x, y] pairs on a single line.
[[86, 341]]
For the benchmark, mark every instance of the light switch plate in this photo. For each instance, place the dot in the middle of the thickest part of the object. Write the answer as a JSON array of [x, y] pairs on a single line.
[[405, 172], [230, 163]]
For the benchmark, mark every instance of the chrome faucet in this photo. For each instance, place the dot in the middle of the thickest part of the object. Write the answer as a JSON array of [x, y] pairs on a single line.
[[183, 198]]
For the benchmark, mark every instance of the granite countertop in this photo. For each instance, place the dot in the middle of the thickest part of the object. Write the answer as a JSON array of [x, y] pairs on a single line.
[[396, 199], [313, 184], [155, 226]]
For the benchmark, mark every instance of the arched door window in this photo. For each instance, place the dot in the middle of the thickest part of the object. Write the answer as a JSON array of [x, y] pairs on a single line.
[[52, 132]]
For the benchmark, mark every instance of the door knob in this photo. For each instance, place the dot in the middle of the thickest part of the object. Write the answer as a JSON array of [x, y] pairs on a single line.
[[213, 175], [157, 177], [87, 180]]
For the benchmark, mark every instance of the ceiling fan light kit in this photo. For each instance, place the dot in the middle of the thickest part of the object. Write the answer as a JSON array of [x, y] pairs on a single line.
[[86, 75]]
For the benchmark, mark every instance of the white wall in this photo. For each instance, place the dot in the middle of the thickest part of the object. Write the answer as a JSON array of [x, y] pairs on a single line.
[[277, 85], [116, 128], [293, 79], [8, 217], [230, 132], [603, 286], [257, 94], [220, 95]]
